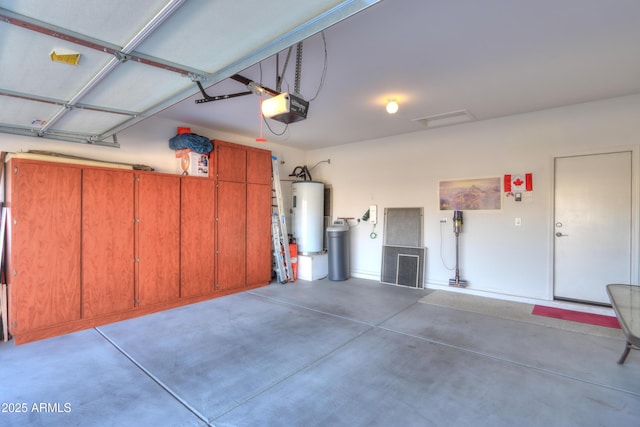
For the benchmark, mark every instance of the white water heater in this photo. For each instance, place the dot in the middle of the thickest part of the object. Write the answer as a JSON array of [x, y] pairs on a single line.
[[308, 216]]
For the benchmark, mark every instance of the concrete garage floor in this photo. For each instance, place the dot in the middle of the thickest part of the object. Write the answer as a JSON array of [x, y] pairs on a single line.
[[322, 353]]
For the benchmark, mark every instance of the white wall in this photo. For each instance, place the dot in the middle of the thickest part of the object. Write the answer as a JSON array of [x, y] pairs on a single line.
[[495, 256]]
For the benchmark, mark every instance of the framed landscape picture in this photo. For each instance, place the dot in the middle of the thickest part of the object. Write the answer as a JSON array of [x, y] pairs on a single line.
[[470, 194]]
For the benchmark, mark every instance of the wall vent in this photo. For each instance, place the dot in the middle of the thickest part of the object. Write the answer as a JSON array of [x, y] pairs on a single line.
[[403, 266], [446, 119]]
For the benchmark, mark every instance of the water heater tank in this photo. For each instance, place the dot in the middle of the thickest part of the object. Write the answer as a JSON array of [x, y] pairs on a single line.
[[308, 216]]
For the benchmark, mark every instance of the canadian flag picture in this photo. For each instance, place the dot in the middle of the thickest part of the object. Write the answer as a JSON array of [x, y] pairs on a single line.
[[518, 183]]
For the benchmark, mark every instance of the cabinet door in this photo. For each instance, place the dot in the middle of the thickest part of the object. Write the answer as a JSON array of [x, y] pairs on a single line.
[[232, 162], [107, 241], [197, 237], [232, 235], [259, 166], [259, 234], [45, 250], [158, 238]]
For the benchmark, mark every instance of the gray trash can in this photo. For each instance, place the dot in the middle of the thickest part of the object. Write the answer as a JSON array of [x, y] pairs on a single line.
[[338, 251]]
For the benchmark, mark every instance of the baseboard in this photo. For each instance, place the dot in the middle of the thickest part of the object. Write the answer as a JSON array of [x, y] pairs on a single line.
[[368, 275], [567, 305]]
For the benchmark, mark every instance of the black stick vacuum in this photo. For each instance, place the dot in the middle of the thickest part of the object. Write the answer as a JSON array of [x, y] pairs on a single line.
[[457, 228]]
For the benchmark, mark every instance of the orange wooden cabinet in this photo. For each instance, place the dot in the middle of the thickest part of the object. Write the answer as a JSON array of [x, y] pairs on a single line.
[[244, 215], [259, 252], [107, 241], [232, 235], [259, 201], [130, 240], [259, 167], [43, 250], [231, 161], [197, 237], [91, 245], [158, 251]]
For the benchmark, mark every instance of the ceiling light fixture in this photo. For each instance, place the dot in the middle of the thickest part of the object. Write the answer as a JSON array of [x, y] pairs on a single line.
[[392, 106]]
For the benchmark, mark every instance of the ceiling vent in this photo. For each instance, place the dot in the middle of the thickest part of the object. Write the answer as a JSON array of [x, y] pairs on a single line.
[[445, 119]]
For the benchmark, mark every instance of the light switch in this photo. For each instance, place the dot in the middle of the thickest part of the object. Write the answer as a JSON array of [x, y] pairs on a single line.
[[518, 222]]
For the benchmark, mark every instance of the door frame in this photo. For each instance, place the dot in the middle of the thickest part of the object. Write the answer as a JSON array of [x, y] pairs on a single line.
[[635, 208]]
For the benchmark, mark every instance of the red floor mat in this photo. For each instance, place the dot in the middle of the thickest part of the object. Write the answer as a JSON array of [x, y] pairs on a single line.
[[576, 316]]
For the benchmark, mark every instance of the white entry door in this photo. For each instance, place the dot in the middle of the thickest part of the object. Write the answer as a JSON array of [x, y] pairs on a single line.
[[592, 229]]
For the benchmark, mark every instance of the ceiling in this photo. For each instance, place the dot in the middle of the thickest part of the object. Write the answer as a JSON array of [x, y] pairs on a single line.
[[443, 61]]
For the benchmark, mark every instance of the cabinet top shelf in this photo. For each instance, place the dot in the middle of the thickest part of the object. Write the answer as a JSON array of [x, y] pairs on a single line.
[[72, 160]]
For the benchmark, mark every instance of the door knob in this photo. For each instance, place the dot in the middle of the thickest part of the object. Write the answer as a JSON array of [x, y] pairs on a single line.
[[559, 234]]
